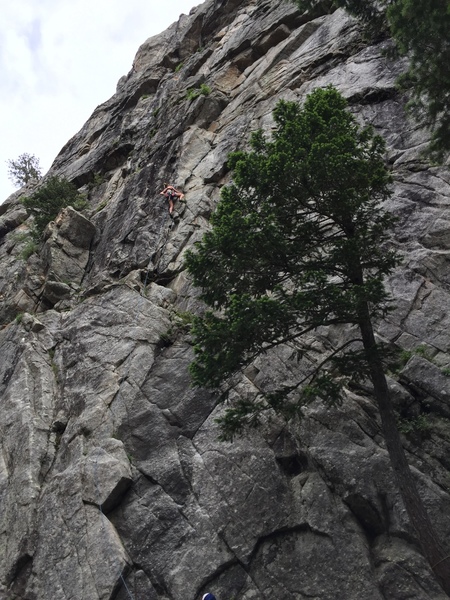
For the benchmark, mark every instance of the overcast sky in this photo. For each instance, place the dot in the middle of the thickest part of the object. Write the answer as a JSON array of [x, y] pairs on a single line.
[[59, 59]]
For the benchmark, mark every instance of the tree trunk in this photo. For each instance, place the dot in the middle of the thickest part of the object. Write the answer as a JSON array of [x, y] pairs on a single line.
[[430, 543]]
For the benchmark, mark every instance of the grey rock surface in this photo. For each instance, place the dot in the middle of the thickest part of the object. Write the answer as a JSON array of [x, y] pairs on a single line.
[[113, 484]]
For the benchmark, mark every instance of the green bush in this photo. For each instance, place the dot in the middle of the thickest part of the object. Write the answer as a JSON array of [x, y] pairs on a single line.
[[419, 424], [99, 179], [424, 352], [203, 90], [45, 204], [29, 249], [192, 94], [101, 206]]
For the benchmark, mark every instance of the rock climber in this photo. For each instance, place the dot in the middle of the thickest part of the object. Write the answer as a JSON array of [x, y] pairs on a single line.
[[171, 194], [209, 596]]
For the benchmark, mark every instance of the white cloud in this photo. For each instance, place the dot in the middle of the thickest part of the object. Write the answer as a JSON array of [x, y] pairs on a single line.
[[59, 59]]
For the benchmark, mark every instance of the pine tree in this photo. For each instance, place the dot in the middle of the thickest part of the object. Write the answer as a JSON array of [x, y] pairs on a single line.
[[300, 241], [24, 169]]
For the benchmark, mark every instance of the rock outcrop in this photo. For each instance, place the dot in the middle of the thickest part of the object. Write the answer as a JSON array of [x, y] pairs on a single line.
[[113, 483]]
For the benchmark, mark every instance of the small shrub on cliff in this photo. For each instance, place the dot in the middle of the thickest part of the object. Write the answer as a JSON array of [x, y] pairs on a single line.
[[45, 204], [30, 248], [203, 90], [419, 424], [181, 323]]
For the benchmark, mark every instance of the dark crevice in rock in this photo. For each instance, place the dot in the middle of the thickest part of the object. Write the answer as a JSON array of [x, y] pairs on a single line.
[[366, 514], [271, 38], [19, 574], [49, 459], [282, 532], [84, 178], [9, 363], [116, 497], [293, 465], [116, 157], [289, 457], [374, 96], [119, 588], [88, 267], [386, 510], [163, 279], [145, 87]]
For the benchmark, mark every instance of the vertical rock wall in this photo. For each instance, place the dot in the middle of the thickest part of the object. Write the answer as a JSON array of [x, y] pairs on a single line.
[[112, 481]]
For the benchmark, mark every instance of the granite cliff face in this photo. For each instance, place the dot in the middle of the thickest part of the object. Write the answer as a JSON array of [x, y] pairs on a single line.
[[112, 481]]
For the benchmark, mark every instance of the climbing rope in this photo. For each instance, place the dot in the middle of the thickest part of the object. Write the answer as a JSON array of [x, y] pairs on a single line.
[[166, 233], [102, 519]]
